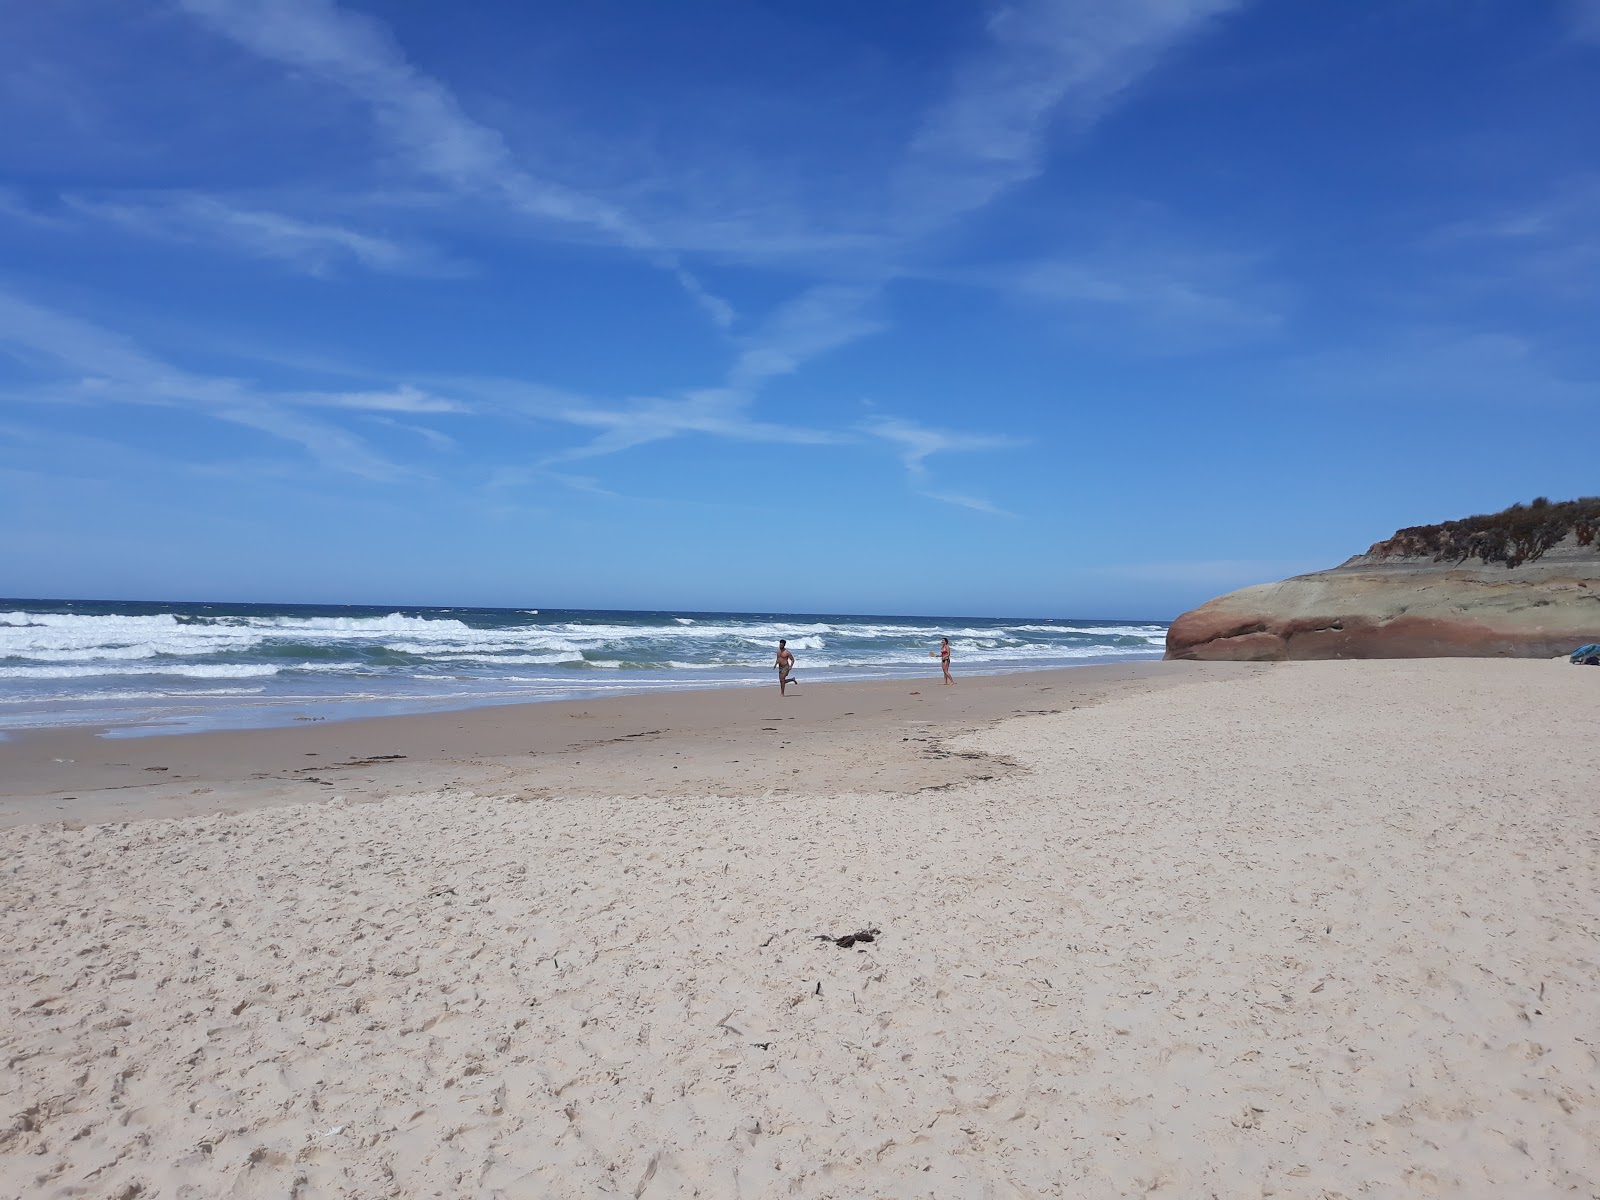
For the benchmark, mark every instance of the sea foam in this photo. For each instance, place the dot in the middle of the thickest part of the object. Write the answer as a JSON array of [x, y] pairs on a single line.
[[84, 654]]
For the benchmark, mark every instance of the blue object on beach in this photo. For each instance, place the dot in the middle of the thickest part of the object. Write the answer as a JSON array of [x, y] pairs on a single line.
[[1588, 656]]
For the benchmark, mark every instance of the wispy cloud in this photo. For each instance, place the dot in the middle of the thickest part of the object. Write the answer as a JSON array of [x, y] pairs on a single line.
[[962, 500], [819, 319], [87, 364], [1059, 66], [1467, 375], [1042, 69], [402, 399], [619, 426], [424, 121], [1044, 59], [916, 443], [439, 441], [986, 137], [14, 206], [816, 321], [516, 477], [1586, 19], [316, 247], [1571, 205], [1042, 62], [1041, 58], [1168, 302], [1552, 242], [78, 362], [717, 412]]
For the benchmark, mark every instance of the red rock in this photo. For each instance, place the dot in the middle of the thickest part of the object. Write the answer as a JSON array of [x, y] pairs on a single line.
[[1380, 605]]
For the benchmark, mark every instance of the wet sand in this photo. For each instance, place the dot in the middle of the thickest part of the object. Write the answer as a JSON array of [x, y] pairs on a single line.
[[883, 736]]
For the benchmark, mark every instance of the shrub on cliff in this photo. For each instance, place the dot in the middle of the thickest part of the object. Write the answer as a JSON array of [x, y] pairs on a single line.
[[1519, 534]]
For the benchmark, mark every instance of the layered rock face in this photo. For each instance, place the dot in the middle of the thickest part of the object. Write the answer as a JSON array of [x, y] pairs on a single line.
[[1385, 605]]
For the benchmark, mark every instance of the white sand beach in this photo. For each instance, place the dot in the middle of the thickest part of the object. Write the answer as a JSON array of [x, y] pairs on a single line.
[[1309, 930]]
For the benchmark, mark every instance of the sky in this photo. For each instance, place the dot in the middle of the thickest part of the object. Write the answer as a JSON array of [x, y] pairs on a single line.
[[1092, 308]]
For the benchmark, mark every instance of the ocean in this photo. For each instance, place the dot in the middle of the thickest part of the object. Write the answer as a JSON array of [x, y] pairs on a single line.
[[157, 667]]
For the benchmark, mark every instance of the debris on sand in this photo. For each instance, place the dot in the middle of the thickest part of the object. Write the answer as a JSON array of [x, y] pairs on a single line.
[[850, 939]]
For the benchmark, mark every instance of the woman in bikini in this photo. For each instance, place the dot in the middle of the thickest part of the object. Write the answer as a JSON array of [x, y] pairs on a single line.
[[944, 660]]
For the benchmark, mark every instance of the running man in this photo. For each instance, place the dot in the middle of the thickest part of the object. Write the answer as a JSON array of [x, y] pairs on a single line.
[[785, 663], [944, 661]]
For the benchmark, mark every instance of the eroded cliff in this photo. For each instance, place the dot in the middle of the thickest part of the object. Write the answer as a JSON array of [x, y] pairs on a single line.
[[1523, 583]]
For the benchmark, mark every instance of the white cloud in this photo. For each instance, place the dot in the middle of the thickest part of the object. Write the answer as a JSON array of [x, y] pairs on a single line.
[[1570, 206], [423, 119], [1164, 303], [1068, 63], [961, 500], [916, 443], [312, 246], [1551, 244], [15, 207], [92, 365], [717, 412], [819, 319], [1586, 19], [1044, 59], [986, 137], [439, 441], [814, 322], [1040, 66], [1464, 374], [402, 399], [1040, 60], [715, 307], [515, 477]]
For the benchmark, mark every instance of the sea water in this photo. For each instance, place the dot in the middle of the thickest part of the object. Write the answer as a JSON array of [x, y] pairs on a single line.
[[148, 667]]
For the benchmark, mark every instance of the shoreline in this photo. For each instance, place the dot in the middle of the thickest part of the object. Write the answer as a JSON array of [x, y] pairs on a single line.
[[870, 735], [152, 668], [240, 716]]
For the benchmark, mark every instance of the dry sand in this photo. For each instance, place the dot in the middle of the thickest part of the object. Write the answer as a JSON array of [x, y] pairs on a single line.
[[1310, 930]]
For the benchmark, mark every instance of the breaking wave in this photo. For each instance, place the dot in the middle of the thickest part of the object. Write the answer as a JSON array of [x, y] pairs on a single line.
[[55, 654]]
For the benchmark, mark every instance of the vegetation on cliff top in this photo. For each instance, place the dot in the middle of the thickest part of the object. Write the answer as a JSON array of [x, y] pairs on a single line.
[[1519, 534]]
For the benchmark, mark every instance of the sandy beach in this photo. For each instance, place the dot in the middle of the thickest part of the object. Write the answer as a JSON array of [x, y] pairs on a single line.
[[1306, 930]]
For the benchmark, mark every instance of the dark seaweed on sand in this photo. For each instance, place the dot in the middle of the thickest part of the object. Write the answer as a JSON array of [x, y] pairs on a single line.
[[850, 939]]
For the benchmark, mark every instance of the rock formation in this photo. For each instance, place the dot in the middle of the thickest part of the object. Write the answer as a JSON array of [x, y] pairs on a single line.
[[1524, 583]]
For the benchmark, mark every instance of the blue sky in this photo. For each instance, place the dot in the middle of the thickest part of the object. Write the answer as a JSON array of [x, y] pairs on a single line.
[[1065, 309]]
